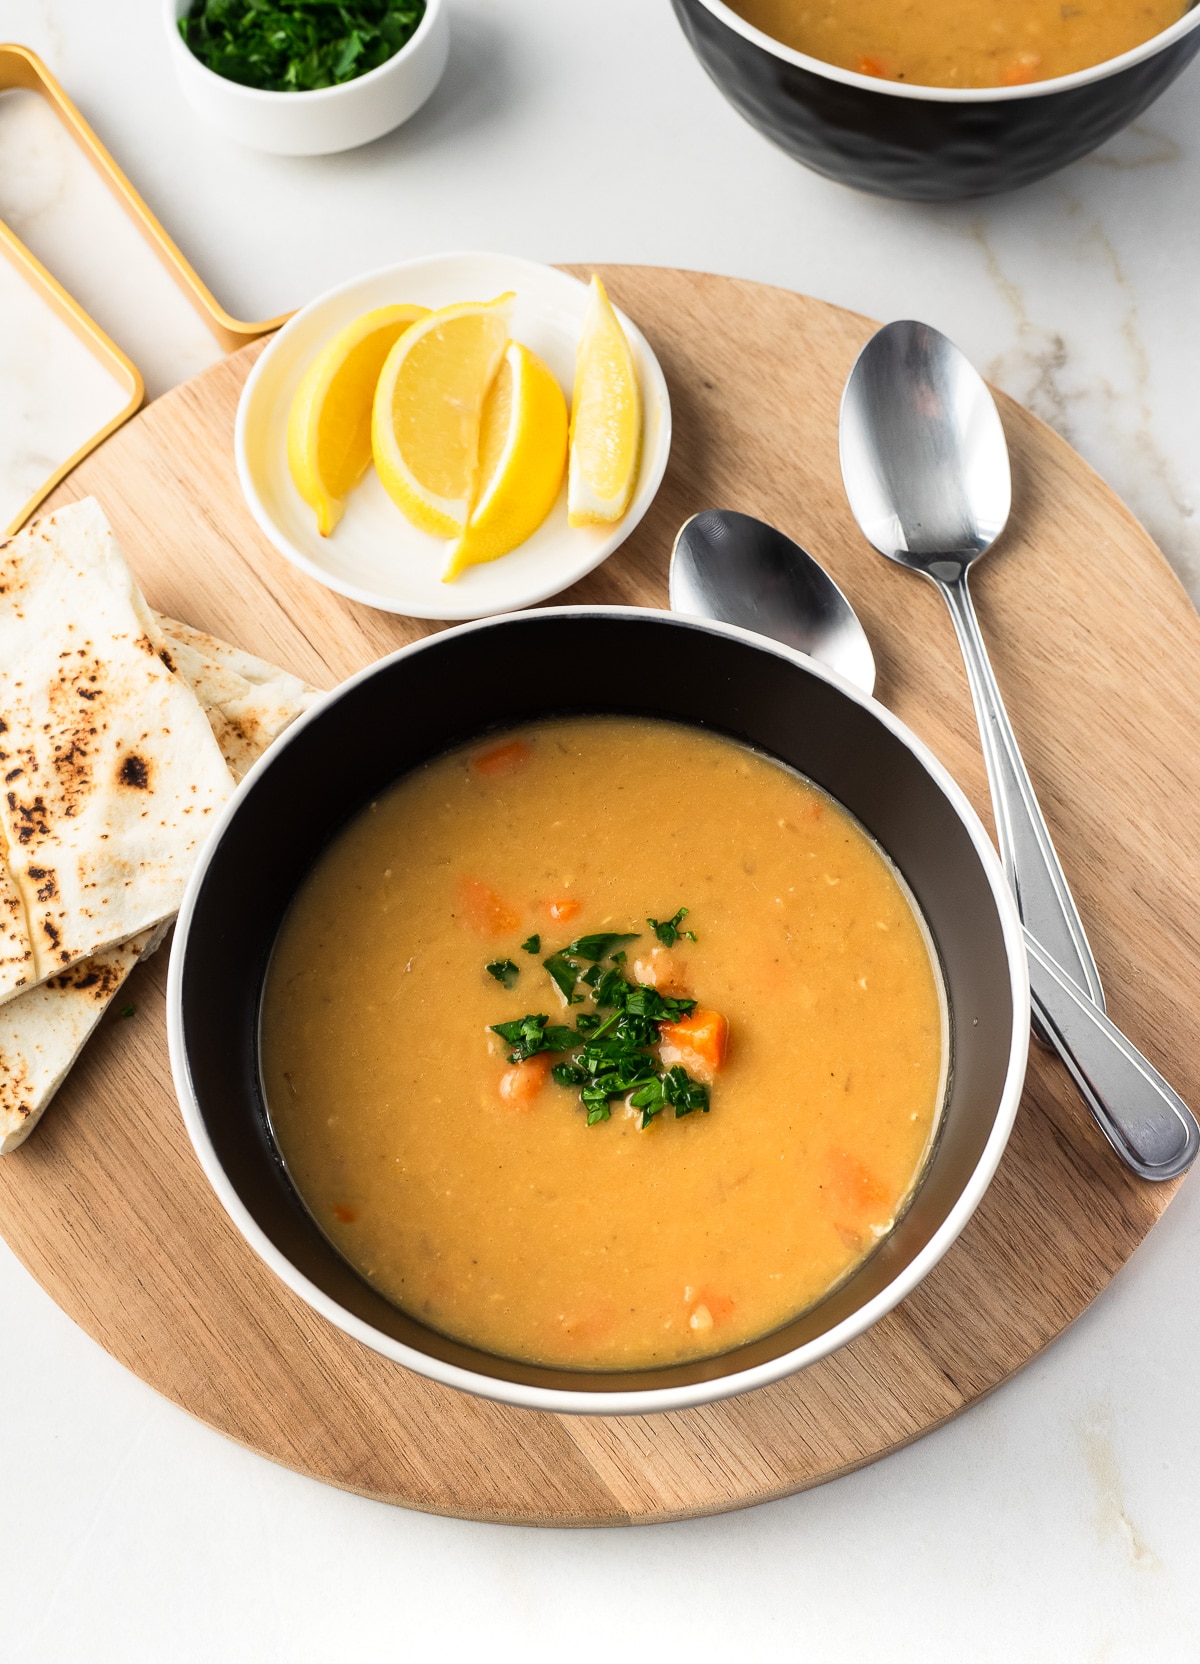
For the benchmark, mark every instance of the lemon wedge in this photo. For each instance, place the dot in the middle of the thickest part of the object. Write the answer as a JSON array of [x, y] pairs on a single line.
[[606, 419], [522, 460], [428, 408], [329, 423]]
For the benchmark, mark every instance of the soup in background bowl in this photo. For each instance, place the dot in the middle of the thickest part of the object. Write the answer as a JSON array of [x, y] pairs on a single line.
[[962, 43], [922, 143], [900, 825]]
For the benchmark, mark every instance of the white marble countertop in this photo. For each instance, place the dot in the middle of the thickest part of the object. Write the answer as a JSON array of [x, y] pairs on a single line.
[[1054, 1522]]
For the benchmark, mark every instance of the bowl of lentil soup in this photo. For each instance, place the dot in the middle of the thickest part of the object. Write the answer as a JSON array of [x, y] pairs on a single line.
[[932, 101], [479, 1082]]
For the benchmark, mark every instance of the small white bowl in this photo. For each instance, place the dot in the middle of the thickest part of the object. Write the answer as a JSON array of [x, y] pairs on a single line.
[[328, 119], [374, 555]]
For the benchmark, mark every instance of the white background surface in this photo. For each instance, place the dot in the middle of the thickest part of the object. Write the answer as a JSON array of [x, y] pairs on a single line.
[[1058, 1521]]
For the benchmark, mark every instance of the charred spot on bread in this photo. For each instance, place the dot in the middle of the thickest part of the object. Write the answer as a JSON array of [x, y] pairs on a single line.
[[134, 772], [98, 977], [44, 878], [32, 820]]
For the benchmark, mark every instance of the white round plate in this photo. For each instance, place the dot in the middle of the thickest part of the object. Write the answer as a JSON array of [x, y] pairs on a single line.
[[374, 554]]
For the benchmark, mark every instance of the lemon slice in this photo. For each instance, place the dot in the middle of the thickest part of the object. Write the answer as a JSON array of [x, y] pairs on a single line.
[[428, 406], [522, 460], [329, 423], [606, 419]]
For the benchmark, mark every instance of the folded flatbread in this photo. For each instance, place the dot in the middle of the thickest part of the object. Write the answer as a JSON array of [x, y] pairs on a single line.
[[43, 1031], [248, 703], [111, 772]]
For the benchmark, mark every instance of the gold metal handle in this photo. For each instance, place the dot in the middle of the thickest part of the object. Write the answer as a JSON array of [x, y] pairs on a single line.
[[19, 67]]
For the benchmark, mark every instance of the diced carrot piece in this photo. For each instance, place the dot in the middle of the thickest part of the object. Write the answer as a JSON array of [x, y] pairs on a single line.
[[1022, 70], [588, 1323], [701, 1039], [565, 909], [718, 1306], [503, 759], [343, 1214], [871, 66], [484, 911], [852, 1185], [521, 1084]]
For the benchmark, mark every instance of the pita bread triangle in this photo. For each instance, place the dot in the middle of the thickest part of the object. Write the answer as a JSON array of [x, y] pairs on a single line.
[[248, 703], [112, 773]]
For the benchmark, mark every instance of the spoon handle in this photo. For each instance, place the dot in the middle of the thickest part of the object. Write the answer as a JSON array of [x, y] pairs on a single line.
[[1145, 1120], [1044, 899]]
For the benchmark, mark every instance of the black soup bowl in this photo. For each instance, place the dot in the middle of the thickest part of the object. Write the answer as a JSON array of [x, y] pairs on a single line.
[[927, 144], [455, 686]]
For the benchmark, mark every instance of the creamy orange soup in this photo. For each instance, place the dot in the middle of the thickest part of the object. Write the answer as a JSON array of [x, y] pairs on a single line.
[[962, 43], [472, 1191]]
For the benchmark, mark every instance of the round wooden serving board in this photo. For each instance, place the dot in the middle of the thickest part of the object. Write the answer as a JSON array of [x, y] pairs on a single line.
[[1097, 649]]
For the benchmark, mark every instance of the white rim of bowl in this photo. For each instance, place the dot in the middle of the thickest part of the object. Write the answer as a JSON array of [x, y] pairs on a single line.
[[955, 95], [311, 95], [653, 1399], [293, 553]]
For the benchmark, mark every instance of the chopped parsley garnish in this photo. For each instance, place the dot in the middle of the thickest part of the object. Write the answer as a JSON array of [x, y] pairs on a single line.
[[677, 1088], [599, 946], [297, 45], [504, 971], [613, 1059], [532, 944], [533, 1034], [668, 931], [566, 973], [565, 976], [610, 1043], [127, 1010]]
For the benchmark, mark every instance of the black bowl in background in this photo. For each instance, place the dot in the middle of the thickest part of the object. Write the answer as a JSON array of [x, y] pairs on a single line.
[[927, 144], [452, 687]]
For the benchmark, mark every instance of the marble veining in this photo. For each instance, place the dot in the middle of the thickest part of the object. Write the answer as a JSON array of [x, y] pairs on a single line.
[[1112, 1519], [1102, 404], [65, 215], [53, 393]]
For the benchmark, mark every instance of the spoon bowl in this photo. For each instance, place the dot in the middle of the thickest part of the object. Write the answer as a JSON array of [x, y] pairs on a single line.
[[925, 465], [738, 570], [924, 457]]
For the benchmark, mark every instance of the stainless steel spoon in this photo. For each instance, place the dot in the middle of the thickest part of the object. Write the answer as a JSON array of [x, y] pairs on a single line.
[[739, 570], [925, 466]]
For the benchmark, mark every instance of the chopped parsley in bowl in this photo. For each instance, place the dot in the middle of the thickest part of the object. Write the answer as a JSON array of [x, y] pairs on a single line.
[[297, 45]]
